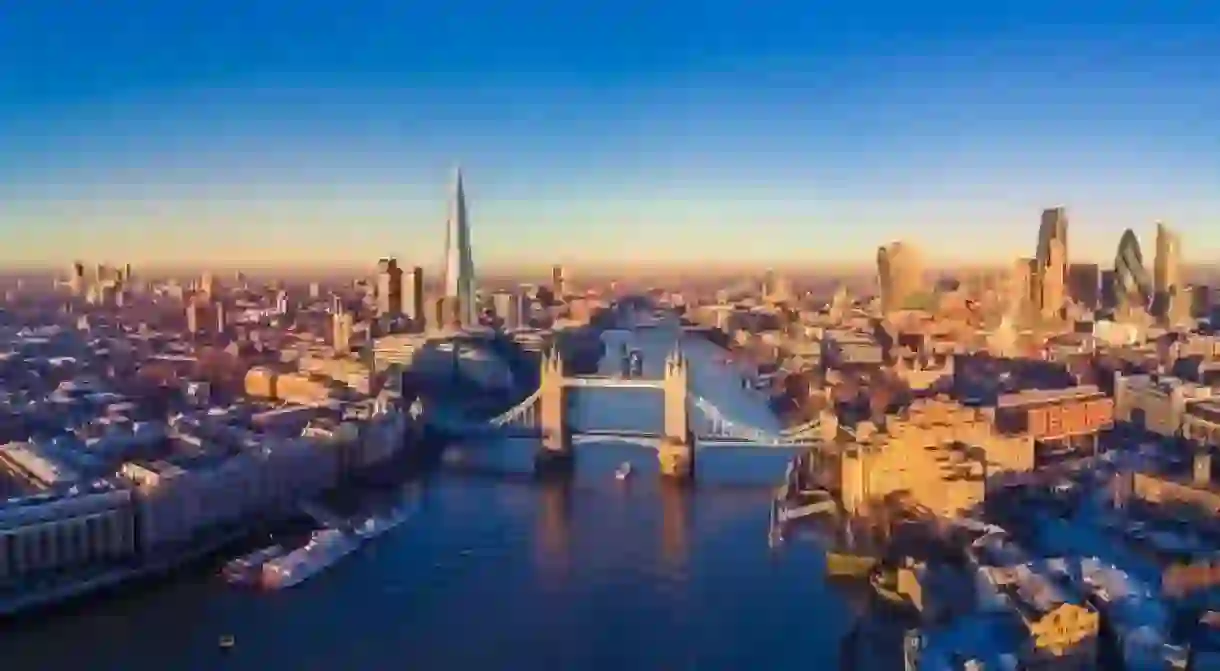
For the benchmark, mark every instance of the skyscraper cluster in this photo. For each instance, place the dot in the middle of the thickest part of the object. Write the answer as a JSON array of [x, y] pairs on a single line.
[[106, 287], [1048, 282]]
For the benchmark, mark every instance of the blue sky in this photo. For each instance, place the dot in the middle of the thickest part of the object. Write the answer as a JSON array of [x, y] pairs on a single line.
[[778, 132]]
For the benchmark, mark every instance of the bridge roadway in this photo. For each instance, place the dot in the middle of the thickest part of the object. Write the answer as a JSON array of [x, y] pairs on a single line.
[[627, 422]]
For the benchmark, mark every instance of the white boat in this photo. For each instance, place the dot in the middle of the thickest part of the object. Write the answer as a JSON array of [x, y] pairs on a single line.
[[247, 569], [623, 471], [323, 549]]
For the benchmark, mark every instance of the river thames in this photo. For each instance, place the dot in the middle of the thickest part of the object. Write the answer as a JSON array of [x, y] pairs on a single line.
[[497, 571]]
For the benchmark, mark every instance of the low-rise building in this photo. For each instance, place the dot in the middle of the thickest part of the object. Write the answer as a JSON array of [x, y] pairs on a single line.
[[1156, 403]]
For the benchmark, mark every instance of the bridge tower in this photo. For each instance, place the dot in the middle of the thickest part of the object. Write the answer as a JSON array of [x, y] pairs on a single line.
[[677, 453], [556, 448]]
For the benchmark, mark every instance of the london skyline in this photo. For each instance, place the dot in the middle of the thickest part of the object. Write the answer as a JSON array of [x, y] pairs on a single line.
[[803, 142]]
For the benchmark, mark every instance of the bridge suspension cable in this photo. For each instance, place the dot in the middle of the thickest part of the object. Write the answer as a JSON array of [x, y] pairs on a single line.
[[724, 426], [522, 411]]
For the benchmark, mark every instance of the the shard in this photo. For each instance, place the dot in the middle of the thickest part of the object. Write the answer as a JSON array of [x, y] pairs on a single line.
[[459, 264]]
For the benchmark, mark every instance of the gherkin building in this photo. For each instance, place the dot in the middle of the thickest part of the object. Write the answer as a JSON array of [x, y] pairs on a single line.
[[1133, 284]]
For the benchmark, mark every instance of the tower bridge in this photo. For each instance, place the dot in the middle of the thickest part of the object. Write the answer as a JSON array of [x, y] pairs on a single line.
[[690, 422]]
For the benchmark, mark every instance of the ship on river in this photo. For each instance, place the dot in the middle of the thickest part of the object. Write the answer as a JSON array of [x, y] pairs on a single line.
[[324, 548], [248, 569]]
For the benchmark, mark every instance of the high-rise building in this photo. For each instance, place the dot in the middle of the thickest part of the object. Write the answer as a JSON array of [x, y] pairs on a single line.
[[389, 288], [76, 278], [192, 316], [1054, 226], [1109, 289], [505, 305], [1165, 271], [1084, 284], [459, 262], [342, 326], [1051, 276], [1200, 301], [413, 298], [207, 284], [1132, 284], [1020, 289], [559, 283], [899, 275]]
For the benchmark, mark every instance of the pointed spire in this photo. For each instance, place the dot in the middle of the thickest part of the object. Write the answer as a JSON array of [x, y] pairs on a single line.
[[459, 264]]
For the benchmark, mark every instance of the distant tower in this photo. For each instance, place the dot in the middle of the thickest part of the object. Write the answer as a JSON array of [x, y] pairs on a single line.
[[413, 298], [207, 284], [1165, 270], [459, 264], [559, 281], [192, 317], [342, 325], [1051, 274], [899, 274], [1054, 226], [389, 288], [76, 278], [1132, 285], [1051, 280]]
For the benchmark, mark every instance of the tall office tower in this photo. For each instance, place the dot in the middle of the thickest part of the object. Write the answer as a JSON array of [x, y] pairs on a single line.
[[413, 298], [192, 317], [559, 281], [768, 281], [1181, 306], [207, 284], [342, 324], [899, 275], [1200, 301], [389, 288], [76, 278], [127, 274], [281, 302], [222, 321], [100, 273], [1084, 284], [504, 303], [1054, 226], [1051, 278], [459, 264], [1109, 290], [1132, 285], [1020, 287], [1165, 270]]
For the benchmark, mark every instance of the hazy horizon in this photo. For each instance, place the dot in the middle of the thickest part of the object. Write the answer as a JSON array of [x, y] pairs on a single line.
[[782, 135]]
